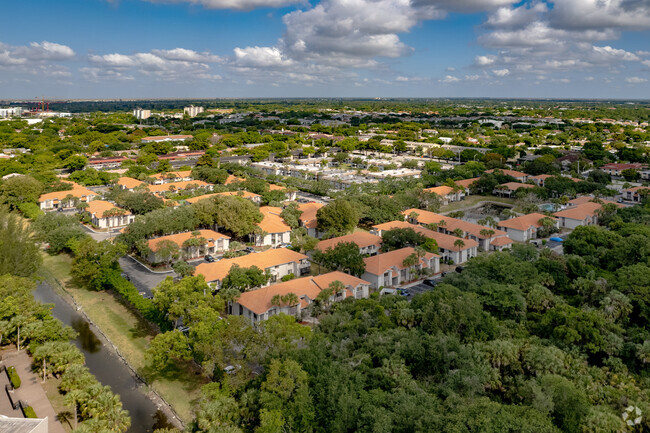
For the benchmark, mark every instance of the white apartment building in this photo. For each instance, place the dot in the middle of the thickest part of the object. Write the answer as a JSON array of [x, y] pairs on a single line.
[[193, 111], [141, 114]]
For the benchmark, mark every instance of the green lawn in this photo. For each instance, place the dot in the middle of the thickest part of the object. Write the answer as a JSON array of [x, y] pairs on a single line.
[[472, 201], [51, 387], [131, 335]]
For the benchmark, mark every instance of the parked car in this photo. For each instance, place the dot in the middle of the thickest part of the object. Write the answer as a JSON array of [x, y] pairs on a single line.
[[231, 369], [403, 292], [249, 249], [283, 245], [460, 269], [210, 259], [430, 282], [125, 276], [146, 295]]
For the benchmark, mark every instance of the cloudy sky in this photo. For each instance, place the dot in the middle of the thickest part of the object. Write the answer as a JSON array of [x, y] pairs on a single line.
[[325, 48]]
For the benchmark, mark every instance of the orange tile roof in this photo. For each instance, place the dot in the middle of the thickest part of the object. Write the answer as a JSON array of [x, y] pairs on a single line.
[[541, 177], [513, 173], [100, 207], [362, 239], [308, 216], [523, 222], [180, 238], [232, 179], [443, 240], [243, 194], [259, 300], [272, 222], [588, 199], [637, 188], [266, 259], [514, 186], [172, 175], [185, 184], [76, 191], [129, 182], [501, 241], [426, 217], [379, 264], [440, 190], [579, 212], [466, 183], [274, 187]]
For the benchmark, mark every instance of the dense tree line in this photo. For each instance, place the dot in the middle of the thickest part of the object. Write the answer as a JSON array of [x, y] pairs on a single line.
[[524, 341]]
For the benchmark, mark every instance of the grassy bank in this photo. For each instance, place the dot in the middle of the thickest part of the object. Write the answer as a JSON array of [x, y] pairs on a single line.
[[131, 335]]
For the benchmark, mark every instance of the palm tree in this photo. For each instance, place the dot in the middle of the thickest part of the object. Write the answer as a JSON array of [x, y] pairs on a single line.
[[290, 299], [547, 224], [17, 322], [72, 399], [276, 300], [4, 329], [486, 233], [459, 243], [458, 233], [413, 216], [410, 262]]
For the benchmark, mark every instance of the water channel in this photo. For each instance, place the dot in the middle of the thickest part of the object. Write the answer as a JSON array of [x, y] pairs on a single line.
[[107, 367]]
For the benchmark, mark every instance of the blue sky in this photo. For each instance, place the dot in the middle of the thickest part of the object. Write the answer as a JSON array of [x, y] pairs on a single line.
[[326, 48]]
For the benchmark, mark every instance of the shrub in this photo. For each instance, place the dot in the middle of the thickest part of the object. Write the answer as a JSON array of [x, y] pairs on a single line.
[[28, 411], [130, 294], [13, 377], [30, 210], [288, 277]]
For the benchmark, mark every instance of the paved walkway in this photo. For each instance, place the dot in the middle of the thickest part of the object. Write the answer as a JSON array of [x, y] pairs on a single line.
[[30, 390]]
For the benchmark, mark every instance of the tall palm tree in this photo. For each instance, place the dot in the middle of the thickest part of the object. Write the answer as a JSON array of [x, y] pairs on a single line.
[[459, 243], [72, 399], [18, 321]]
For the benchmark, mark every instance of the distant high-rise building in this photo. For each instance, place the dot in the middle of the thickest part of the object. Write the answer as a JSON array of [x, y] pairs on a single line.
[[11, 112], [193, 111], [141, 114]]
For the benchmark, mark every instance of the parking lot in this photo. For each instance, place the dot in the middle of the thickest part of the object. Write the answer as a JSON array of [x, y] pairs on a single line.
[[141, 277]]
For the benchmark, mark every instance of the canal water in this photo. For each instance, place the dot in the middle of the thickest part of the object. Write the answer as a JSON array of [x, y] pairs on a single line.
[[107, 367]]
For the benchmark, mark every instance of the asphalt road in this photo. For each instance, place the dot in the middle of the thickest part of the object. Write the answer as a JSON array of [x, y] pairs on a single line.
[[141, 277]]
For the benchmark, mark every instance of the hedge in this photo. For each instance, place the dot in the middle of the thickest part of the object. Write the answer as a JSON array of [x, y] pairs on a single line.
[[130, 294], [13, 377], [28, 411]]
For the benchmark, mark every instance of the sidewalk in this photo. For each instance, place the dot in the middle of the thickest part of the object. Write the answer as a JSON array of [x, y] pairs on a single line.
[[31, 391]]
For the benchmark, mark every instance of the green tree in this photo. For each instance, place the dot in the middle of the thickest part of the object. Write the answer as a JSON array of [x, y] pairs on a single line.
[[93, 260], [396, 239], [337, 218], [286, 391], [183, 269], [76, 162], [20, 189], [168, 348], [243, 279], [291, 215], [19, 255], [345, 257]]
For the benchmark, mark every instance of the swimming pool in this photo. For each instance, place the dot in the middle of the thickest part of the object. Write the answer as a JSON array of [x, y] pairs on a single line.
[[547, 207]]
